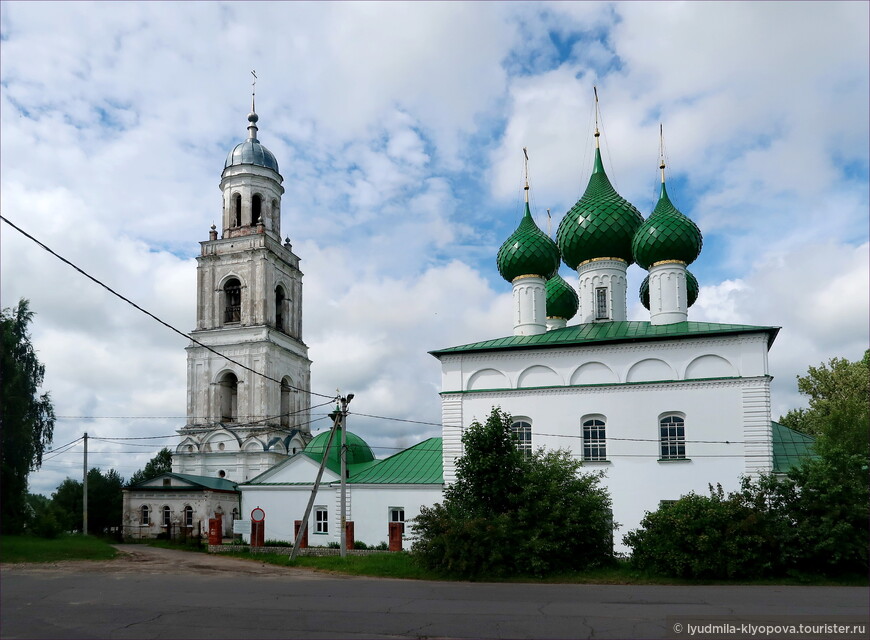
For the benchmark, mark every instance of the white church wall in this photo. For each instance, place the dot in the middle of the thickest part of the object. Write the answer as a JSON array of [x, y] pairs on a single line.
[[724, 402]]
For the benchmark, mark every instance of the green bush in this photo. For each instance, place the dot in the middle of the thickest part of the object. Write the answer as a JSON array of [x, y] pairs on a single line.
[[45, 525], [507, 515], [708, 537], [815, 521]]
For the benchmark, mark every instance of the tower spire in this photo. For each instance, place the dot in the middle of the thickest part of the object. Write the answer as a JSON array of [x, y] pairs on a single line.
[[597, 133], [662, 151], [253, 90], [253, 117], [526, 168]]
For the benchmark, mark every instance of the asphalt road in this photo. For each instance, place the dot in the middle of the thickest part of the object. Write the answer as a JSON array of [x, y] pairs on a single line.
[[157, 593]]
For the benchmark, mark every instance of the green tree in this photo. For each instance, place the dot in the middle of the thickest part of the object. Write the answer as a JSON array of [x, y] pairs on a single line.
[[26, 417], [160, 463], [839, 399], [509, 515], [105, 503]]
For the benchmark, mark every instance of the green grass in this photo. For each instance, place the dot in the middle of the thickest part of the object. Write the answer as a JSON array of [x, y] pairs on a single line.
[[65, 547], [402, 565]]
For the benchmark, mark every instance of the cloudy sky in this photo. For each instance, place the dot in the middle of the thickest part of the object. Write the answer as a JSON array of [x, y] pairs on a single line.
[[399, 128]]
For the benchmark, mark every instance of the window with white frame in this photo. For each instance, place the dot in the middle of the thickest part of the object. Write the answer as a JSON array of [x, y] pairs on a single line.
[[522, 433], [188, 516], [601, 304], [167, 516], [321, 520], [594, 438], [672, 437], [145, 515], [397, 514]]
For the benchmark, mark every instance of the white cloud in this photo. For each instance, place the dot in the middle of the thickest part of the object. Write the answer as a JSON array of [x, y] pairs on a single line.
[[398, 128]]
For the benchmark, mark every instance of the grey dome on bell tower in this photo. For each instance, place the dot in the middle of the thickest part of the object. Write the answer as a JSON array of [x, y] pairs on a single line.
[[252, 151]]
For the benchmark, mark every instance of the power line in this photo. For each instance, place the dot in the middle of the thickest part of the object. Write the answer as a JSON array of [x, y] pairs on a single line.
[[151, 315]]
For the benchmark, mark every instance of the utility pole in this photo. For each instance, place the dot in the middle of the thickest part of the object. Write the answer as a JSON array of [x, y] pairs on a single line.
[[336, 418], [343, 539], [85, 489]]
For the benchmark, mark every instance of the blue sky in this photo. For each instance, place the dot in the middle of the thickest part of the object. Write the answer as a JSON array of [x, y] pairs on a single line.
[[399, 128]]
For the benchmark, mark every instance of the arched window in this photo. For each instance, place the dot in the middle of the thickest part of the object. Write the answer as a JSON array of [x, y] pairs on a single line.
[[232, 301], [256, 209], [229, 397], [188, 516], [235, 514], [522, 433], [594, 440], [167, 516], [280, 305], [145, 515], [236, 219], [672, 437], [286, 402]]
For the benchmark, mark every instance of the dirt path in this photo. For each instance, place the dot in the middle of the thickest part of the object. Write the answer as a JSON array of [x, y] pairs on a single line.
[[139, 558]]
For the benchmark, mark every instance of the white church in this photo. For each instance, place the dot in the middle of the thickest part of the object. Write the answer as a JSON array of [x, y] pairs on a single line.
[[663, 407]]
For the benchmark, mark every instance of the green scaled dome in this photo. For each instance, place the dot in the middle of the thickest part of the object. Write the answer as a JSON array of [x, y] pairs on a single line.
[[562, 300], [528, 251], [692, 290], [666, 235], [601, 224]]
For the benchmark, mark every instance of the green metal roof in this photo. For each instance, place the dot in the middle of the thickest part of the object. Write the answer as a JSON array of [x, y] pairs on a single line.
[[666, 235], [528, 251], [609, 332], [790, 447], [420, 464], [206, 482]]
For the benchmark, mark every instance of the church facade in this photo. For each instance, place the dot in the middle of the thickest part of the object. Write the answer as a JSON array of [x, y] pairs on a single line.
[[663, 407]]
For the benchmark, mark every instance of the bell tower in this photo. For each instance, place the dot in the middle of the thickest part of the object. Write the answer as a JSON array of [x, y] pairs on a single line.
[[248, 386]]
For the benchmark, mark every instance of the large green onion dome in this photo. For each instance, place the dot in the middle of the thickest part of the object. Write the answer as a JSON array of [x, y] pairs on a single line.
[[562, 300], [666, 235], [528, 251], [601, 224], [692, 290]]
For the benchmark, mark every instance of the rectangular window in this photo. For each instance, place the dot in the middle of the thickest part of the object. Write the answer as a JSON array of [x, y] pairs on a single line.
[[601, 304], [522, 432], [321, 520], [167, 516], [397, 514], [672, 436], [594, 441]]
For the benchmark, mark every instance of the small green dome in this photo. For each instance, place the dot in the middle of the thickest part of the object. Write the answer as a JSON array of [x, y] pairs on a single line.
[[562, 299], [692, 290], [666, 235], [528, 251], [601, 224], [357, 448]]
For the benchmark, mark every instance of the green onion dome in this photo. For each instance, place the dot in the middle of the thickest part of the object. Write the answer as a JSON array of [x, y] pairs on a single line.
[[692, 290], [666, 235], [562, 299], [601, 224], [528, 251]]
